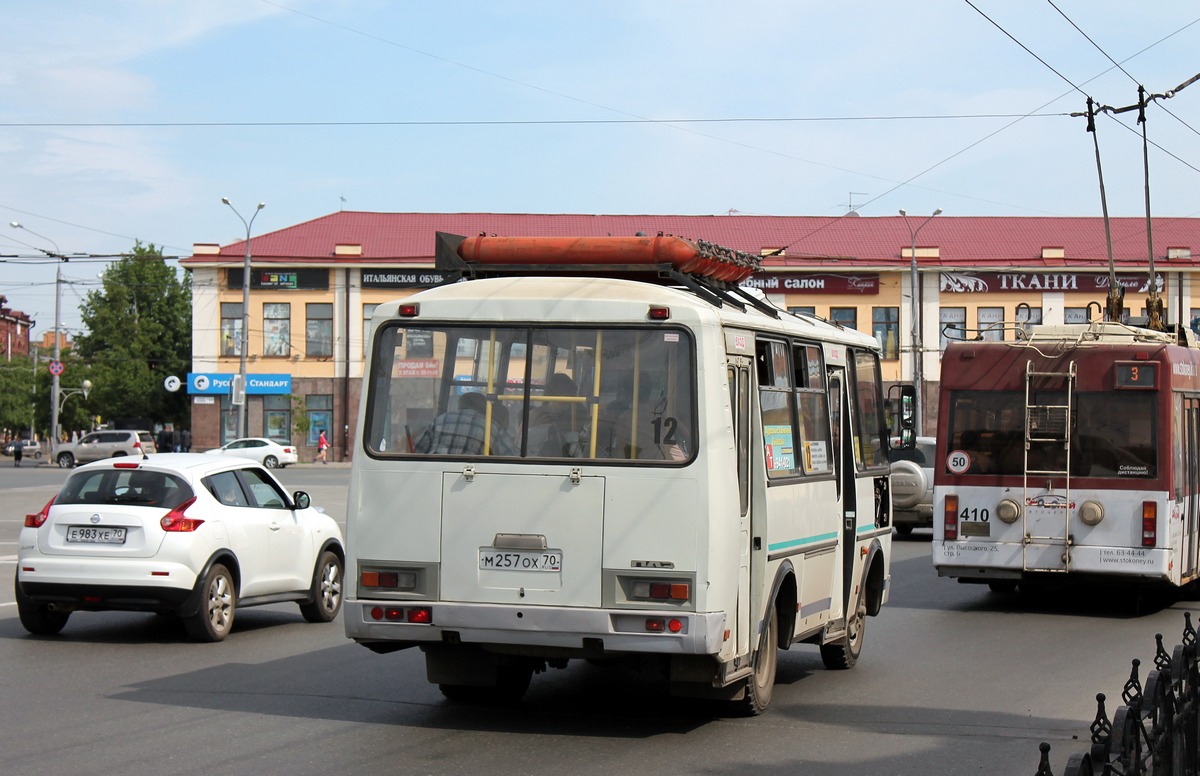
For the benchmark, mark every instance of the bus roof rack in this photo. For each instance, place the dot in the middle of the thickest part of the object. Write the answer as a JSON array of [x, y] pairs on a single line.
[[710, 271]]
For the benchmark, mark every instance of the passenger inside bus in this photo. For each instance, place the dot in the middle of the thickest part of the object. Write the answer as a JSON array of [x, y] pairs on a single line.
[[643, 430], [462, 431], [551, 425]]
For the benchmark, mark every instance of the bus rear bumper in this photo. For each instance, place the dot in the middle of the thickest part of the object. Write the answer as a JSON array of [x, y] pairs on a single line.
[[558, 629]]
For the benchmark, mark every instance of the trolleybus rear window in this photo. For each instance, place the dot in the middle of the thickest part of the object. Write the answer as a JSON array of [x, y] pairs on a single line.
[[1110, 434], [621, 394]]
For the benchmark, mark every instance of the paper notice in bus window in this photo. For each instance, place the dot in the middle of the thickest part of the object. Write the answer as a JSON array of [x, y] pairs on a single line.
[[779, 451], [815, 457]]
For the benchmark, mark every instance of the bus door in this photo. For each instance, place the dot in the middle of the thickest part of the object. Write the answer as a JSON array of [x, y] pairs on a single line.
[[1191, 486], [752, 554], [844, 468]]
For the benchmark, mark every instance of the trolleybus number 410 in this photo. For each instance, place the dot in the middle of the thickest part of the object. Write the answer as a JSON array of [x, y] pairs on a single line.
[[510, 560]]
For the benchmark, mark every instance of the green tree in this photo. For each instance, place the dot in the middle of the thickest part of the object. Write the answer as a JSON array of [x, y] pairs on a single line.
[[138, 332], [17, 395]]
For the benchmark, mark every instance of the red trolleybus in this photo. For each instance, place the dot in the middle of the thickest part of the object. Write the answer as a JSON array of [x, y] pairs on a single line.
[[1069, 455]]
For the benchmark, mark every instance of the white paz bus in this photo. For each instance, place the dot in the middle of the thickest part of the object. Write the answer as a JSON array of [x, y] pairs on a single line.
[[555, 461]]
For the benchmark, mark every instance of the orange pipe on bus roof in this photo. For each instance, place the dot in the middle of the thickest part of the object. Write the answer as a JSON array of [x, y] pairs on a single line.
[[682, 254]]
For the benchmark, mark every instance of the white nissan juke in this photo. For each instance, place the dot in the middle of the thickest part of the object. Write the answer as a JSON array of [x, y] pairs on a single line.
[[185, 534]]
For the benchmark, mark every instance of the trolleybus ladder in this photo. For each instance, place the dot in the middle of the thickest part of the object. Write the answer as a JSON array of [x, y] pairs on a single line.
[[1048, 423]]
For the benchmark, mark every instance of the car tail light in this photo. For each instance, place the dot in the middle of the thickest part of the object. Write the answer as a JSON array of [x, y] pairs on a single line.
[[176, 521], [289, 450], [950, 517], [1149, 524], [36, 520]]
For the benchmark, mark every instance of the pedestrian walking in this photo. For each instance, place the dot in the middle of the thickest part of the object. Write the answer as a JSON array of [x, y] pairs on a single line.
[[322, 446]]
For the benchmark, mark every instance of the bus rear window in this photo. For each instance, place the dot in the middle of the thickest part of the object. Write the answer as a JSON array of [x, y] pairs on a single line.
[[530, 392], [1111, 434]]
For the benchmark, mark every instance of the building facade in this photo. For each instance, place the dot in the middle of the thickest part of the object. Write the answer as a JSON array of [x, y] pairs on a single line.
[[15, 327], [314, 286]]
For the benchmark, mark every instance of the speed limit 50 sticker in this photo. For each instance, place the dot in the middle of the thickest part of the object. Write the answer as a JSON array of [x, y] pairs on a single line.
[[958, 461]]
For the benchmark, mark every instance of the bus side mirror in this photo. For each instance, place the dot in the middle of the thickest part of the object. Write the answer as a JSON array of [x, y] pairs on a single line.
[[903, 398]]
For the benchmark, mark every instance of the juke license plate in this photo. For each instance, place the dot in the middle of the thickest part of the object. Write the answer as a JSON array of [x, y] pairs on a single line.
[[91, 534], [491, 558]]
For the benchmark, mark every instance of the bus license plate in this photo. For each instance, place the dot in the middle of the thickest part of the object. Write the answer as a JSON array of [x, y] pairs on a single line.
[[90, 534], [519, 560]]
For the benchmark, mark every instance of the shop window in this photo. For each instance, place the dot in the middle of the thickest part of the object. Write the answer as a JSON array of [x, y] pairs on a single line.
[[277, 329], [320, 417], [368, 311], [885, 326], [952, 326], [1028, 317], [846, 316], [1076, 315], [231, 328], [318, 340], [277, 418], [991, 323]]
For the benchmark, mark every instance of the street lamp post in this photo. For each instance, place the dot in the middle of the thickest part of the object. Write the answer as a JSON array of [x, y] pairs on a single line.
[[54, 384], [917, 347], [245, 344], [82, 390]]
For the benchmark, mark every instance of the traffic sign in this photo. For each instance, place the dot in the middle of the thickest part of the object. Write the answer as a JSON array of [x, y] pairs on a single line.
[[56, 367]]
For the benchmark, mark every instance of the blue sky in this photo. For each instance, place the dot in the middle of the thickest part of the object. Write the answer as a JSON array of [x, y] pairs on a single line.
[[124, 120]]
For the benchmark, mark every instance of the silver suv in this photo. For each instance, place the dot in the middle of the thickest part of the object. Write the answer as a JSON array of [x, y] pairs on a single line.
[[104, 444], [912, 486]]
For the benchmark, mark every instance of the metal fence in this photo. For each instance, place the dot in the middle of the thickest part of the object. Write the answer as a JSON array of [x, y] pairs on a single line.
[[1156, 730]]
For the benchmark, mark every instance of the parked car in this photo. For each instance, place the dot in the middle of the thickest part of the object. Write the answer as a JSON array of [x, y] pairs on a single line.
[[29, 448], [184, 534], [266, 451], [104, 444], [912, 486]]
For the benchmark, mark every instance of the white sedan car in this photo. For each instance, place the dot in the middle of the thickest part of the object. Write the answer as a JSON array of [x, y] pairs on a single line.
[[184, 534], [268, 452]]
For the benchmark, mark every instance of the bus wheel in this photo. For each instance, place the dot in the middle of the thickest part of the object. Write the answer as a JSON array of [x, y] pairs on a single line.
[[843, 653], [760, 686]]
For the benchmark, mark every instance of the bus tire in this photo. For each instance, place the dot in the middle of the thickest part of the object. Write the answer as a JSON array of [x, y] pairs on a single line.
[[842, 653], [760, 686]]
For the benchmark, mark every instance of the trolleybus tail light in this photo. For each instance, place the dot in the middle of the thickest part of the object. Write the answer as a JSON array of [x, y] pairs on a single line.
[[659, 313], [1149, 524], [408, 310], [950, 517], [35, 520], [176, 521]]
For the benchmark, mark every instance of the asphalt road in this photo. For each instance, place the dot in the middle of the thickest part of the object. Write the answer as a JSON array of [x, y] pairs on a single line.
[[952, 680]]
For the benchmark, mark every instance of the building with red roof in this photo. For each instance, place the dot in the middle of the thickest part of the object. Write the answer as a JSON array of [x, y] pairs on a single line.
[[314, 285]]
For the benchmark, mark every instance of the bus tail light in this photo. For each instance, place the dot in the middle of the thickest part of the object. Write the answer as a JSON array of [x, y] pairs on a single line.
[[1149, 524], [387, 580], [36, 520], [950, 518], [660, 590], [662, 625], [421, 615]]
